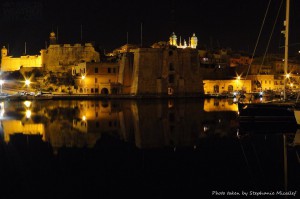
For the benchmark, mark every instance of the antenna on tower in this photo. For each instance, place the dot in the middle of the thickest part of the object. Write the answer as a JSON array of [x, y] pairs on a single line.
[[25, 48], [141, 34], [81, 32], [57, 34]]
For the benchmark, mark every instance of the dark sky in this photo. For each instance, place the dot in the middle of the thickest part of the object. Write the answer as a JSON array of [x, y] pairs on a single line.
[[231, 24]]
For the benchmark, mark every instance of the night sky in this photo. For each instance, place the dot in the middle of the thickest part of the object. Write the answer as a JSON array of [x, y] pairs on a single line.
[[231, 24]]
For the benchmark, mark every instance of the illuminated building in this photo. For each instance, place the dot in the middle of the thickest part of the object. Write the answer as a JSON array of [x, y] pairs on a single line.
[[193, 41], [55, 58], [96, 78], [10, 63], [221, 86]]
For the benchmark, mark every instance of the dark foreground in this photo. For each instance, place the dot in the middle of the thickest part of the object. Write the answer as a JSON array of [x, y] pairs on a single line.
[[114, 168]]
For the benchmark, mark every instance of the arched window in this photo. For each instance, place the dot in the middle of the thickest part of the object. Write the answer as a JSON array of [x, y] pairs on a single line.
[[104, 91], [230, 88]]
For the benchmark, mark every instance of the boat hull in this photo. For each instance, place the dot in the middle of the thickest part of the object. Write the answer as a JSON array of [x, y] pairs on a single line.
[[297, 116], [267, 112]]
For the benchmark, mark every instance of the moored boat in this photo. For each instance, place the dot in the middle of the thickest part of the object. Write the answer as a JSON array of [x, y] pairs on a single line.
[[281, 111], [267, 112]]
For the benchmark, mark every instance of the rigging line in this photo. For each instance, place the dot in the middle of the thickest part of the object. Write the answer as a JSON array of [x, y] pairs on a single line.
[[247, 162], [267, 48], [262, 25]]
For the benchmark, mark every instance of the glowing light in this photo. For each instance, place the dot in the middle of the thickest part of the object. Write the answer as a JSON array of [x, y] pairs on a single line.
[[27, 103], [288, 75], [205, 128], [2, 109], [83, 118], [27, 82], [28, 114], [82, 77], [1, 83]]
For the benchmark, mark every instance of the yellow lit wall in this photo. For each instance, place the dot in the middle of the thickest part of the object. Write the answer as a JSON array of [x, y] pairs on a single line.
[[98, 76], [215, 104], [14, 63], [224, 85], [16, 126]]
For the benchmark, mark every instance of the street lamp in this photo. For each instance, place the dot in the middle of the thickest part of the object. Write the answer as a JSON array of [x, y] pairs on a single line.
[[1, 83]]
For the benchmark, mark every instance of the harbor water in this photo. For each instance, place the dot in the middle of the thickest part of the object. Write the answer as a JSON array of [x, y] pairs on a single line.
[[143, 149]]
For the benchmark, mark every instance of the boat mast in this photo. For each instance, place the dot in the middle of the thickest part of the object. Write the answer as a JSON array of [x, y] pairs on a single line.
[[286, 49]]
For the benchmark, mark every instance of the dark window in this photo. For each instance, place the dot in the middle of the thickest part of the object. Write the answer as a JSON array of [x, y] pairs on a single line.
[[172, 117], [171, 67], [96, 70], [171, 79], [108, 70], [170, 53]]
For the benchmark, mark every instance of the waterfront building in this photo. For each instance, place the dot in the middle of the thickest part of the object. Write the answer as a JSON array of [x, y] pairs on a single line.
[[96, 78], [59, 57], [225, 86], [10, 63], [55, 58], [161, 70], [263, 82]]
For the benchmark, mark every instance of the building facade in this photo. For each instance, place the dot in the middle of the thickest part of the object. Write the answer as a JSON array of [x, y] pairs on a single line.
[[56, 58]]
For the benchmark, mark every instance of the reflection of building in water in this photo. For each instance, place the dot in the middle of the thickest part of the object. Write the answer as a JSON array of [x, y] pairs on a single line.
[[220, 116], [146, 123], [97, 117], [216, 104], [17, 126], [21, 123], [167, 123]]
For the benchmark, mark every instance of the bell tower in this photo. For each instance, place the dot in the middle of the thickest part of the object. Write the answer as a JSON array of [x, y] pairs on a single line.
[[194, 41], [173, 39], [3, 52]]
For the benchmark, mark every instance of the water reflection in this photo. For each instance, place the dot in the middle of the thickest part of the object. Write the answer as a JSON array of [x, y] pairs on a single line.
[[80, 123], [173, 146]]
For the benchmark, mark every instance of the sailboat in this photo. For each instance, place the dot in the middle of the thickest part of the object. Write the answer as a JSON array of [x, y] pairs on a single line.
[[272, 112]]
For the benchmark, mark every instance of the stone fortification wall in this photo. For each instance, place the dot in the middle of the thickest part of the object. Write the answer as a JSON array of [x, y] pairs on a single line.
[[9, 63], [159, 71], [58, 56]]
